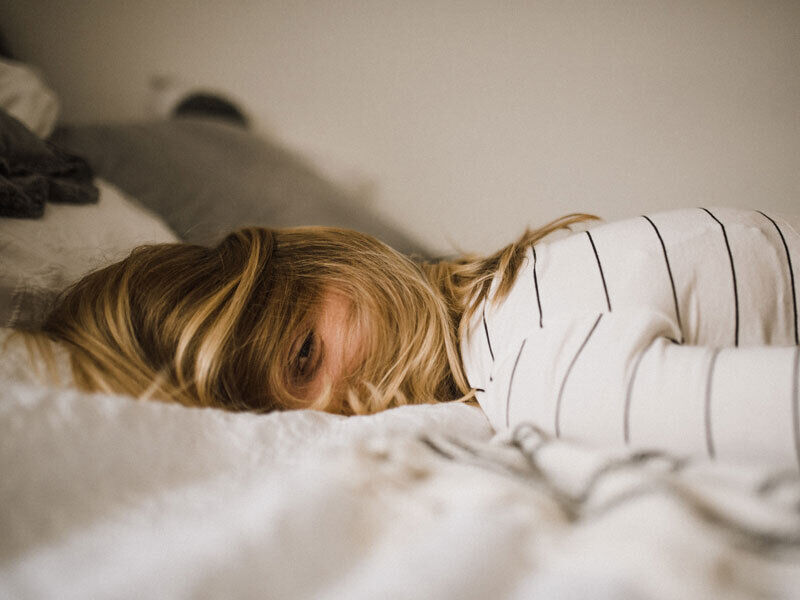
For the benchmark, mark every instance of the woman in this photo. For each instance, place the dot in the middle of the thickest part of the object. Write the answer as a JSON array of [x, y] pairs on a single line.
[[609, 334], [274, 319]]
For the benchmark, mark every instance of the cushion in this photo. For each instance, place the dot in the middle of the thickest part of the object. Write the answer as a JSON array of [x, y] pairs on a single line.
[[25, 96], [206, 177], [43, 256]]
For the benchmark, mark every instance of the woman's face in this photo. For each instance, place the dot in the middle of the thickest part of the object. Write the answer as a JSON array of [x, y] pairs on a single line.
[[329, 352]]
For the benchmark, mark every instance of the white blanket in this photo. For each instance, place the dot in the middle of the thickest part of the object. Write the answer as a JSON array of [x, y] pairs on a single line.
[[106, 497]]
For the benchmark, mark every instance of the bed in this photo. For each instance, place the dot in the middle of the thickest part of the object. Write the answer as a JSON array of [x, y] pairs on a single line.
[[108, 497]]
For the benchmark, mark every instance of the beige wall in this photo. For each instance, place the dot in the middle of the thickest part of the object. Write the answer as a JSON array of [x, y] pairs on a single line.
[[468, 120]]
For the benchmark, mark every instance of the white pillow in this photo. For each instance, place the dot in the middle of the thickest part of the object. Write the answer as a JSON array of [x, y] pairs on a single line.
[[40, 257], [25, 97]]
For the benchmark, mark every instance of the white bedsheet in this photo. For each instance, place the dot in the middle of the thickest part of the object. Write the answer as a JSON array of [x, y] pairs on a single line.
[[105, 497]]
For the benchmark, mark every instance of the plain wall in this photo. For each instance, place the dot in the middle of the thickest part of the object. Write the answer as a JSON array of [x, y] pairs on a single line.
[[466, 121]]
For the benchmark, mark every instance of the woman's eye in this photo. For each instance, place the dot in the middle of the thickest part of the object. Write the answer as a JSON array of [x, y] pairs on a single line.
[[305, 355]]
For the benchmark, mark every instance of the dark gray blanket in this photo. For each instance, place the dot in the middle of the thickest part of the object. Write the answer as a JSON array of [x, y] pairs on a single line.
[[34, 171]]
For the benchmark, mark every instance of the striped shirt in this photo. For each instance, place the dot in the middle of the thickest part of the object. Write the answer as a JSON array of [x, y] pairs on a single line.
[[677, 330]]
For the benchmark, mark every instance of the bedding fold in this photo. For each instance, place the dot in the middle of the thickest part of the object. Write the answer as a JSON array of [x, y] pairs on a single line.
[[103, 496]]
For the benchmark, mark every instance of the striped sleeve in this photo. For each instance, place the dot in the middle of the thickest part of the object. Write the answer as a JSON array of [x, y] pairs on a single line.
[[728, 403], [619, 378]]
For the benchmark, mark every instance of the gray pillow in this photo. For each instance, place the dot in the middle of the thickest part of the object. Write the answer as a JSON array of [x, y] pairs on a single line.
[[206, 177]]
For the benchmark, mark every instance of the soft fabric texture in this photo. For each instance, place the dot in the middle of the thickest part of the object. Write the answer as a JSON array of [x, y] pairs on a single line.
[[677, 330], [18, 365], [206, 178], [25, 96], [41, 257], [33, 172], [106, 497]]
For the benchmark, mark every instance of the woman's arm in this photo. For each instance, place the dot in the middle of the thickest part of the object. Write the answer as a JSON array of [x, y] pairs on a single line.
[[620, 378]]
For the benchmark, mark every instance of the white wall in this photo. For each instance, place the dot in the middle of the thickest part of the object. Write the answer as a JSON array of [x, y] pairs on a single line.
[[468, 119]]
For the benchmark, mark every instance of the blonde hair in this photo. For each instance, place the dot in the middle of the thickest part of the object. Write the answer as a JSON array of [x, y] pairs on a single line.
[[215, 327], [465, 282]]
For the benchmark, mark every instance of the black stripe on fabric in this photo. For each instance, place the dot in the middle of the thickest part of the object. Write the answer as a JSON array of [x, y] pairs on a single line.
[[569, 370], [733, 274], [600, 267], [671, 278], [796, 403], [536, 286], [486, 330], [511, 380], [791, 273], [709, 438], [626, 423]]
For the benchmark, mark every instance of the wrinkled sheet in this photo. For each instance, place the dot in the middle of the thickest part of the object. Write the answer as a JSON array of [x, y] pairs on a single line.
[[106, 497]]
